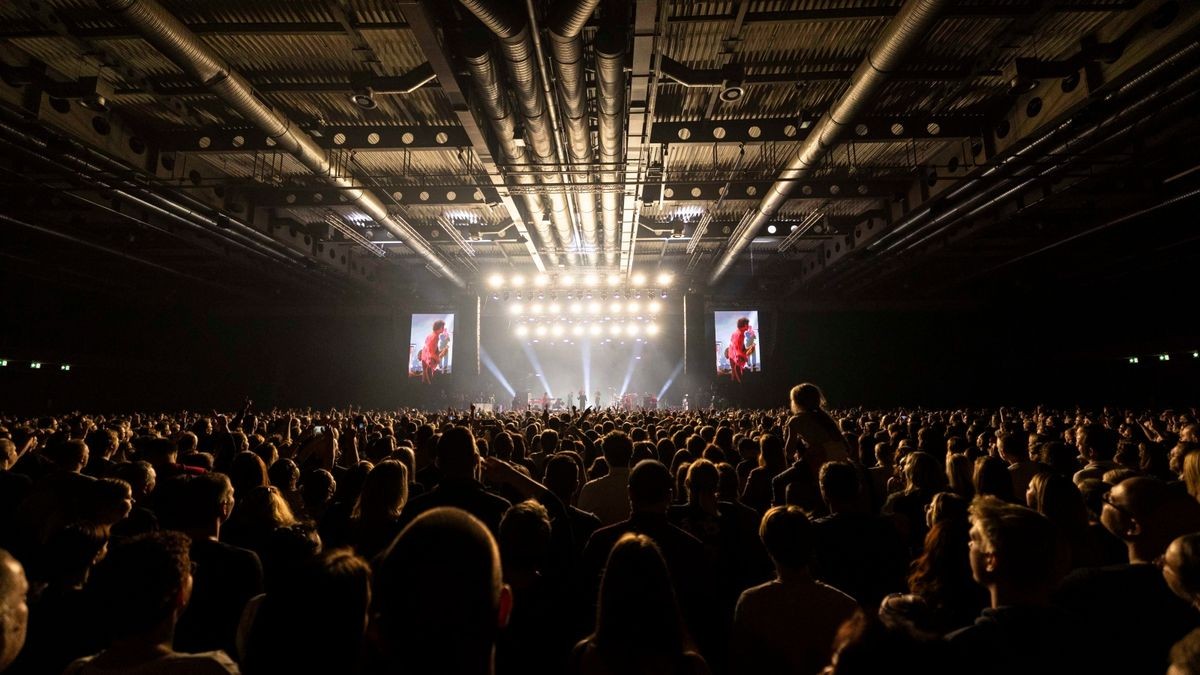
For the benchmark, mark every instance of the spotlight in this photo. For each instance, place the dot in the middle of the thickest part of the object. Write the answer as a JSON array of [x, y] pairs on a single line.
[[540, 331], [594, 307], [731, 94], [517, 281], [653, 306], [541, 280], [554, 308], [536, 308], [614, 329], [631, 330], [1196, 355], [577, 331], [363, 98], [615, 308], [614, 280], [652, 329], [495, 295], [632, 307], [496, 281], [576, 307], [515, 308], [1164, 357], [594, 329], [771, 229], [1133, 360], [664, 278], [541, 295], [566, 280], [558, 330], [591, 280], [663, 295], [522, 331], [639, 279]]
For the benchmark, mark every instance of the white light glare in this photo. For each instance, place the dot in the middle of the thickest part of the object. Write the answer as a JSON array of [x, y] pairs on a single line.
[[615, 308], [517, 281], [614, 329], [515, 308], [577, 331], [591, 280], [594, 329], [652, 329], [632, 307], [576, 307], [496, 281], [554, 308], [566, 280], [653, 306], [631, 329], [664, 278], [541, 280], [522, 331], [614, 280], [594, 307], [558, 330], [540, 331], [639, 279], [536, 308]]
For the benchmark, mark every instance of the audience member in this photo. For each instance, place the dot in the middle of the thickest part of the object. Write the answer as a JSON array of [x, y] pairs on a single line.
[[606, 497]]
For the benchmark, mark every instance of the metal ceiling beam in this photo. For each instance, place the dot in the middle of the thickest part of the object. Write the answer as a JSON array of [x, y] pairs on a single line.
[[283, 28], [426, 30], [357, 138], [881, 12], [414, 195], [866, 130], [819, 188]]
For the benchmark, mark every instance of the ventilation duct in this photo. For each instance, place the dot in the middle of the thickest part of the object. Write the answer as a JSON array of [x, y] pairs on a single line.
[[910, 25], [610, 105], [178, 43]]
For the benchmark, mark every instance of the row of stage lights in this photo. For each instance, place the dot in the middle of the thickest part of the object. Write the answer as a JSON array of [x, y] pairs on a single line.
[[1162, 357], [568, 281], [34, 365], [559, 330], [593, 308]]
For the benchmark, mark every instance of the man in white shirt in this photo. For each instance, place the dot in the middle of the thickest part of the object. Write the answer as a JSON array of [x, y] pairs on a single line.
[[608, 496]]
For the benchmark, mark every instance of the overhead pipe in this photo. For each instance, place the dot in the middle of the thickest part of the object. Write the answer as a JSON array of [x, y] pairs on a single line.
[[910, 25], [183, 47], [517, 45], [493, 98], [566, 48], [609, 48]]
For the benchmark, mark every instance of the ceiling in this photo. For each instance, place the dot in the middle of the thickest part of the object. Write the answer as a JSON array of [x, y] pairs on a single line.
[[1016, 144]]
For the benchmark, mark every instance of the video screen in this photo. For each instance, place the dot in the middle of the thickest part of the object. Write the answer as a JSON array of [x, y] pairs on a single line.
[[431, 346], [738, 348]]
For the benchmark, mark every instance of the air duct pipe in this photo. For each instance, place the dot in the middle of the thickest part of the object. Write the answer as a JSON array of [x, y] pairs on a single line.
[[610, 118], [566, 47], [905, 31], [493, 99], [517, 46], [178, 43]]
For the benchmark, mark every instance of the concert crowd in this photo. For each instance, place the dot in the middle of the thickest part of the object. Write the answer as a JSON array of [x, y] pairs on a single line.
[[798, 540]]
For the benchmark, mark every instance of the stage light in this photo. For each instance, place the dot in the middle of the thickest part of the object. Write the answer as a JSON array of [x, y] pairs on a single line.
[[771, 229], [1133, 360], [35, 365], [664, 278], [594, 329], [1164, 357], [1195, 355], [558, 330], [515, 308], [496, 281], [653, 306], [614, 329], [663, 295], [632, 308], [591, 280], [566, 280], [536, 308], [554, 308], [541, 295], [614, 280], [639, 279], [631, 329], [615, 308], [541, 280], [652, 329], [522, 331], [577, 331], [517, 281], [65, 367], [594, 307], [576, 307], [540, 331]]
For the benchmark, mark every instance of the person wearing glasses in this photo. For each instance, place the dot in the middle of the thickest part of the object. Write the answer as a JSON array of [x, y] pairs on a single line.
[[1129, 607]]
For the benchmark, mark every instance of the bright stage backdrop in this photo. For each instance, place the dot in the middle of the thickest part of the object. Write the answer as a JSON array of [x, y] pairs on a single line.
[[725, 323], [422, 328]]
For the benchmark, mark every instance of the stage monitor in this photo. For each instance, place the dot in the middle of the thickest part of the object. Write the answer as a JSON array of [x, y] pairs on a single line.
[[431, 346], [738, 346]]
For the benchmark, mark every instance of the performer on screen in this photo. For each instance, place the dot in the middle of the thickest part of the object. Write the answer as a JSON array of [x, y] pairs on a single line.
[[583, 399], [741, 348], [436, 349]]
